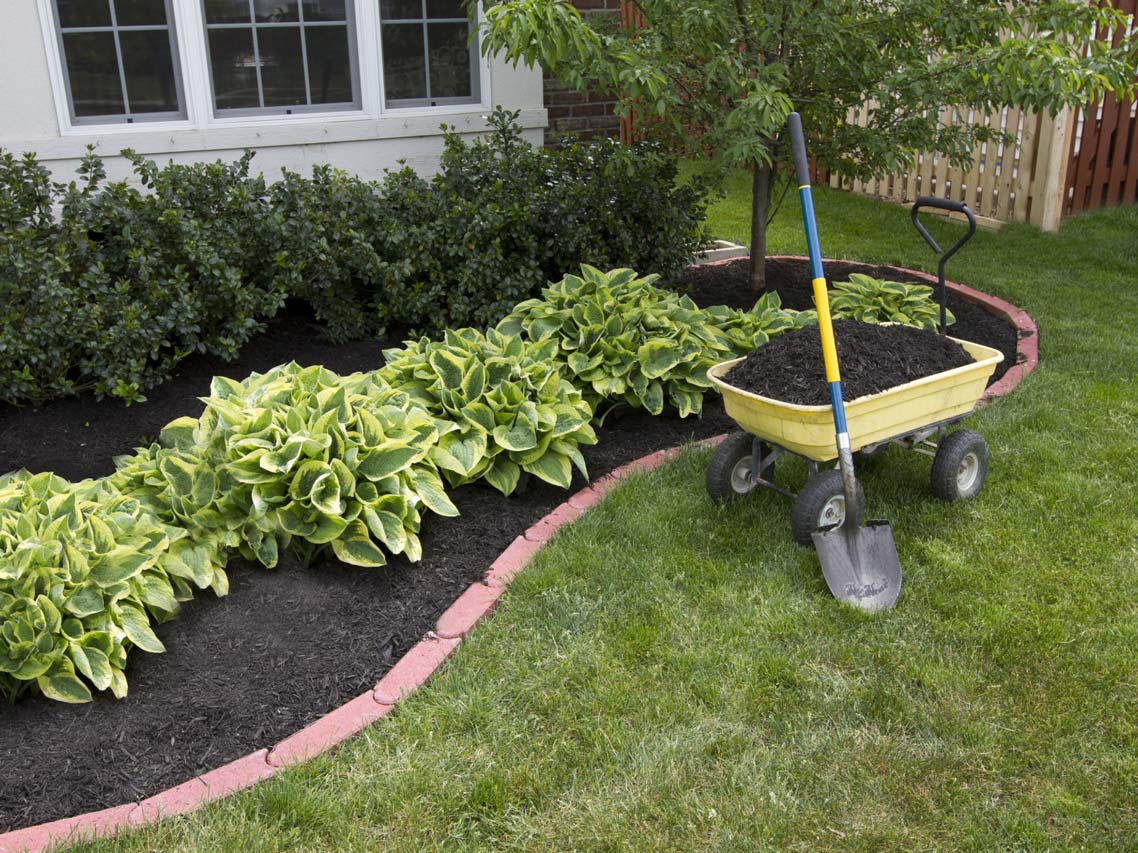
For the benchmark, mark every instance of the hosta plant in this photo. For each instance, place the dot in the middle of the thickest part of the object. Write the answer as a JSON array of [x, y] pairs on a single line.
[[313, 461], [747, 330], [512, 409], [82, 572], [874, 300], [624, 340]]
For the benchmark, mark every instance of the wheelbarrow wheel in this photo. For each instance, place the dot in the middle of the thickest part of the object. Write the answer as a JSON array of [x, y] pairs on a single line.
[[821, 503], [729, 471], [960, 466]]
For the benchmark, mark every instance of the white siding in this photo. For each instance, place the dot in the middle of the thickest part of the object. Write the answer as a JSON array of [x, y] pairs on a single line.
[[362, 143]]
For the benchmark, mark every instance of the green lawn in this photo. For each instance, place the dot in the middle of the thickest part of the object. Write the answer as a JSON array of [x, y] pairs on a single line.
[[672, 676]]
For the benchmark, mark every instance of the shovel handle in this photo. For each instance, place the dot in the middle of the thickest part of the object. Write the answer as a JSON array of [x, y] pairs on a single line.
[[825, 323]]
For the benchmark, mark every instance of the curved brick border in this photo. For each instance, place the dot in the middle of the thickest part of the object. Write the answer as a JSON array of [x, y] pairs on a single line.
[[409, 672], [415, 667]]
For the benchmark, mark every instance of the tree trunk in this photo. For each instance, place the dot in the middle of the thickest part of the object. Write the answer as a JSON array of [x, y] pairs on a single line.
[[760, 204]]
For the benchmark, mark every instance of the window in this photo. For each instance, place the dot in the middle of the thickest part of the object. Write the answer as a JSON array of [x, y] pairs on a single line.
[[120, 60], [281, 56], [428, 58]]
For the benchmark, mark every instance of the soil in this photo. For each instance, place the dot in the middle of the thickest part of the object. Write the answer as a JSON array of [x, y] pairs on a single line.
[[290, 644], [728, 284], [871, 358]]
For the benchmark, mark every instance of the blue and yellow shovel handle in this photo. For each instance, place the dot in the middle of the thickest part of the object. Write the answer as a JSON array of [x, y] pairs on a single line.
[[821, 298]]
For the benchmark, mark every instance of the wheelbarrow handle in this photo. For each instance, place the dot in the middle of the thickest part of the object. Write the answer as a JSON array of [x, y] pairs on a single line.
[[954, 207]]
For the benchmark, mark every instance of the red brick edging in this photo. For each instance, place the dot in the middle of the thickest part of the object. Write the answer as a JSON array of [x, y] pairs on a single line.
[[409, 672], [415, 667]]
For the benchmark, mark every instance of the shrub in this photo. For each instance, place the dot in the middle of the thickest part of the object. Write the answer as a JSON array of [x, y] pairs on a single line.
[[512, 409], [82, 570], [746, 330], [624, 340], [119, 286], [309, 459], [873, 300]]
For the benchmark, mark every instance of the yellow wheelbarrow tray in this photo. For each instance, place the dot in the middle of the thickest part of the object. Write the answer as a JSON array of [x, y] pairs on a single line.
[[902, 413]]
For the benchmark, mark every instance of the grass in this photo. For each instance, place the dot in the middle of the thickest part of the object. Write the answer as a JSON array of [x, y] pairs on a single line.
[[673, 676]]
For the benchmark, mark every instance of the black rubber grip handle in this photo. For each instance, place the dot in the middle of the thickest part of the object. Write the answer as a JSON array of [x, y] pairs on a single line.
[[942, 203], [798, 146]]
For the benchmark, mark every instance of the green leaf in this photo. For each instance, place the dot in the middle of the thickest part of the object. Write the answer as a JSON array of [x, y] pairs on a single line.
[[503, 475], [430, 490], [388, 459], [521, 436], [553, 468], [356, 548], [179, 473], [64, 686], [657, 357], [119, 565], [137, 628]]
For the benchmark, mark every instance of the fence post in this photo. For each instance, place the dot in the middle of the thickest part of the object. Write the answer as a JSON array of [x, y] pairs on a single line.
[[1051, 181]]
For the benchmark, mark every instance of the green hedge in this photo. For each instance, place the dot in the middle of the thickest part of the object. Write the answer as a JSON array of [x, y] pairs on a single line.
[[106, 286]]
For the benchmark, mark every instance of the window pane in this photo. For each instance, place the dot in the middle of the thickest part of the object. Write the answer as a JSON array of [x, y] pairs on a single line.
[[404, 71], [234, 69], [94, 74], [227, 11], [84, 13], [268, 11], [282, 69], [329, 65], [446, 9], [394, 10], [450, 60], [325, 10], [149, 70], [130, 13]]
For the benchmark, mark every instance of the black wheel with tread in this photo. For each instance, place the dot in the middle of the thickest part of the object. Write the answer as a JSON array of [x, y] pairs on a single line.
[[728, 472], [960, 466], [821, 502]]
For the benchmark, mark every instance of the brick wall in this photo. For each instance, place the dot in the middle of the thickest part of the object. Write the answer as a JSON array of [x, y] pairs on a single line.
[[583, 114]]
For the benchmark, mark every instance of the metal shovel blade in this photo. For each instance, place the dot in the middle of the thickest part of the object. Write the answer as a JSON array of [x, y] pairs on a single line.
[[860, 564]]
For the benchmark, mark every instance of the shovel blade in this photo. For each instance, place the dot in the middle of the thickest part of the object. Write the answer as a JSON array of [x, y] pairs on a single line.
[[860, 564]]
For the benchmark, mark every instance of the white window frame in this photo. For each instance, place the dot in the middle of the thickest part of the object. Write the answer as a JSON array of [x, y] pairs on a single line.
[[193, 55]]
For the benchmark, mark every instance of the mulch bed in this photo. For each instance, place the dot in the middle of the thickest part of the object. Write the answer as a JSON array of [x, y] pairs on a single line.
[[871, 359], [290, 644], [728, 284]]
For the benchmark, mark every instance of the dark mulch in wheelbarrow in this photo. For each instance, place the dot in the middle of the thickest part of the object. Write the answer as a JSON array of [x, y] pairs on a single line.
[[872, 358], [286, 645], [728, 284]]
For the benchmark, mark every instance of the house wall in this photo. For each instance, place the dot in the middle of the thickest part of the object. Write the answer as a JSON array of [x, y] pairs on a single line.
[[588, 114], [31, 119]]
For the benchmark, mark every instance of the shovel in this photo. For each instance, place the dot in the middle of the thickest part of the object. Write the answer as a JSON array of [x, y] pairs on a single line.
[[860, 564]]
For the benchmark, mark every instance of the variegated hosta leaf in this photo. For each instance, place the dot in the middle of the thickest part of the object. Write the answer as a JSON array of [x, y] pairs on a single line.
[[510, 408], [82, 576]]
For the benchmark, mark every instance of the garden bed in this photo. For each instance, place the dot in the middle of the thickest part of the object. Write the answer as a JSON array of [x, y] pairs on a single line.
[[286, 645], [289, 644]]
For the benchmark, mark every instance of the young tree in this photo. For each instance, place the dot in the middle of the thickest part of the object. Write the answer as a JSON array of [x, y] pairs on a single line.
[[719, 77]]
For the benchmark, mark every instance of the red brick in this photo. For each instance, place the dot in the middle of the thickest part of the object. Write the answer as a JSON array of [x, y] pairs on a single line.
[[100, 824], [467, 610], [330, 730], [585, 498], [562, 515], [593, 109], [174, 801], [237, 775], [511, 561], [541, 532], [413, 669]]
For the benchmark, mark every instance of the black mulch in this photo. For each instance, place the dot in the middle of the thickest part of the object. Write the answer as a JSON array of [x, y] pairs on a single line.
[[290, 644], [728, 284], [873, 358]]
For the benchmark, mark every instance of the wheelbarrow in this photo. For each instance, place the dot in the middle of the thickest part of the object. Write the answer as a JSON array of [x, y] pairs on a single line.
[[916, 416]]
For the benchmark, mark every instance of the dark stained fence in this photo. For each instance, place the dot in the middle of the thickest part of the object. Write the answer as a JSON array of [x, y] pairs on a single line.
[[1103, 166]]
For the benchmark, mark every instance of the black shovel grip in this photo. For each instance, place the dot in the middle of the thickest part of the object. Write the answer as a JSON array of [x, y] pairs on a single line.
[[798, 146]]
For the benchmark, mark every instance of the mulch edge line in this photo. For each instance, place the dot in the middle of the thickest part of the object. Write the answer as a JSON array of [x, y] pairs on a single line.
[[429, 654]]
